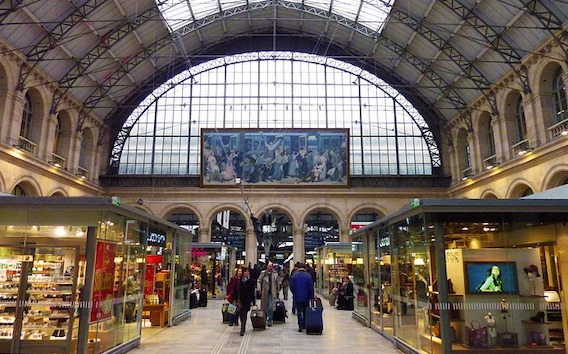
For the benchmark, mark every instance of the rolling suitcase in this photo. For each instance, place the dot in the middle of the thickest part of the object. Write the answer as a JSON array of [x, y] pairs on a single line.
[[279, 314], [202, 298], [257, 318], [348, 303], [314, 319], [192, 300]]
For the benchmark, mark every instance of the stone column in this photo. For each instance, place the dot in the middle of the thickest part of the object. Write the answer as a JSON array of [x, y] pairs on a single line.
[[298, 247], [251, 248], [497, 125], [344, 234], [14, 121], [204, 235]]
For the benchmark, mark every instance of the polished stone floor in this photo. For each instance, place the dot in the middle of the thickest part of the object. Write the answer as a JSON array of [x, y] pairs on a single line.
[[204, 332]]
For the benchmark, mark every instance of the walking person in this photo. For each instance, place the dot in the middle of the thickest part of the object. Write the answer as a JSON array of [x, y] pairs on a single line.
[[231, 295], [285, 281], [267, 284], [294, 269], [302, 286], [245, 295]]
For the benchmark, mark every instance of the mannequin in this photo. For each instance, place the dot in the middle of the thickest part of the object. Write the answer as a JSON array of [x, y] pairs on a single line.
[[492, 329]]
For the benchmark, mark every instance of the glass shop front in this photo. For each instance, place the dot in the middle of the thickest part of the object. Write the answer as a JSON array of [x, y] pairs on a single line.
[[73, 273], [501, 262]]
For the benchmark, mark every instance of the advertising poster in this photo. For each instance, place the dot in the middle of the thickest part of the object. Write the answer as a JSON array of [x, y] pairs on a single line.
[[149, 279], [103, 284]]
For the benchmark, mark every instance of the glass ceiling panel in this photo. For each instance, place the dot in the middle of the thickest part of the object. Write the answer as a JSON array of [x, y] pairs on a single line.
[[258, 91], [179, 13]]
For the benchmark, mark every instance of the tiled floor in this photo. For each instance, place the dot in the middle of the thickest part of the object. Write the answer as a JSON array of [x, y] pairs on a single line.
[[204, 332]]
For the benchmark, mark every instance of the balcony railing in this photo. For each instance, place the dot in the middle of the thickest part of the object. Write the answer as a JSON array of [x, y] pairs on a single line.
[[558, 129], [26, 145], [522, 147], [58, 161], [491, 162], [82, 172], [466, 173]]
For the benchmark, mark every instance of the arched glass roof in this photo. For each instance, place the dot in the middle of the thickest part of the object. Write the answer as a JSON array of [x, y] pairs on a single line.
[[276, 90], [179, 13]]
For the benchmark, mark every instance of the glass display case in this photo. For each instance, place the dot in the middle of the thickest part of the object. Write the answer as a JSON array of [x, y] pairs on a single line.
[[71, 273], [444, 270]]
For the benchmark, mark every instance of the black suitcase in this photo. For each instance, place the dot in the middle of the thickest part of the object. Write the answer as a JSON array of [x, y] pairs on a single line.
[[345, 302], [279, 314], [348, 302], [202, 298], [258, 318], [192, 300], [314, 319]]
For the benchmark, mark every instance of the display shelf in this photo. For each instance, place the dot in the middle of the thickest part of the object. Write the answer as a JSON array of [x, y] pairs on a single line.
[[49, 296]]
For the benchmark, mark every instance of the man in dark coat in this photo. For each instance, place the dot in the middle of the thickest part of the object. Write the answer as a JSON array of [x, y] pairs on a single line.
[[245, 295], [302, 287]]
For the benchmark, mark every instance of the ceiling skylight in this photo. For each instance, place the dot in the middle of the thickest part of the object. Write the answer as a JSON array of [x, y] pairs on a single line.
[[180, 13]]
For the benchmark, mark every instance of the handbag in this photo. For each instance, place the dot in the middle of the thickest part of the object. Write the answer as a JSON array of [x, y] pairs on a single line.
[[477, 337], [232, 309], [537, 338]]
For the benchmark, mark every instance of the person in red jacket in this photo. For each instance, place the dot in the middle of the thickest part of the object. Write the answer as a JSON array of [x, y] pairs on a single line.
[[234, 318]]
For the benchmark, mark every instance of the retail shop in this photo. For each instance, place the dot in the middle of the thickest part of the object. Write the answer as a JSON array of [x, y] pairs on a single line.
[[75, 274], [334, 261], [212, 266], [502, 263]]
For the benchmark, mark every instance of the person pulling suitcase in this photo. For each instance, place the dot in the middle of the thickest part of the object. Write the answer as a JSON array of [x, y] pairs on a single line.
[[302, 287]]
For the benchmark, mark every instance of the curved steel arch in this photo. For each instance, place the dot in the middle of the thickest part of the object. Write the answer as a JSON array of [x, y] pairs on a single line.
[[495, 40], [100, 92], [551, 22], [467, 66], [190, 74], [53, 37]]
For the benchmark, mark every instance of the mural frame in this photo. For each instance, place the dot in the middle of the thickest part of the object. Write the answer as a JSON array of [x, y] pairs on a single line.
[[274, 157]]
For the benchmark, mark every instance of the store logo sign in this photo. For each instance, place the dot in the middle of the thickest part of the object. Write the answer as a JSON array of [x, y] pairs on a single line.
[[156, 238]]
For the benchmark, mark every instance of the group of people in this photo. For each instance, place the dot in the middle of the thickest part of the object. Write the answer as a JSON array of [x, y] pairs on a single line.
[[245, 289]]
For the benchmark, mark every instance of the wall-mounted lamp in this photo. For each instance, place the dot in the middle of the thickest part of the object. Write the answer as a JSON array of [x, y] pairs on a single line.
[[55, 163], [81, 175]]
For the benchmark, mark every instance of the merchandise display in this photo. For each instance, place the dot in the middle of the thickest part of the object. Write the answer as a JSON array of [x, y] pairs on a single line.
[[50, 295], [48, 313]]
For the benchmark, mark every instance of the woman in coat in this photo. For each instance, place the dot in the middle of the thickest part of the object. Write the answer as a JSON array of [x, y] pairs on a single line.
[[231, 298], [267, 284], [244, 293]]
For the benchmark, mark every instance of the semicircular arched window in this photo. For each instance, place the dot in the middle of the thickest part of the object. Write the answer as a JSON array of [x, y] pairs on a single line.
[[275, 90]]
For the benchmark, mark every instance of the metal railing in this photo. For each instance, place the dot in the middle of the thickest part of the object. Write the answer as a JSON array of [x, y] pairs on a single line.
[[58, 161], [26, 145]]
